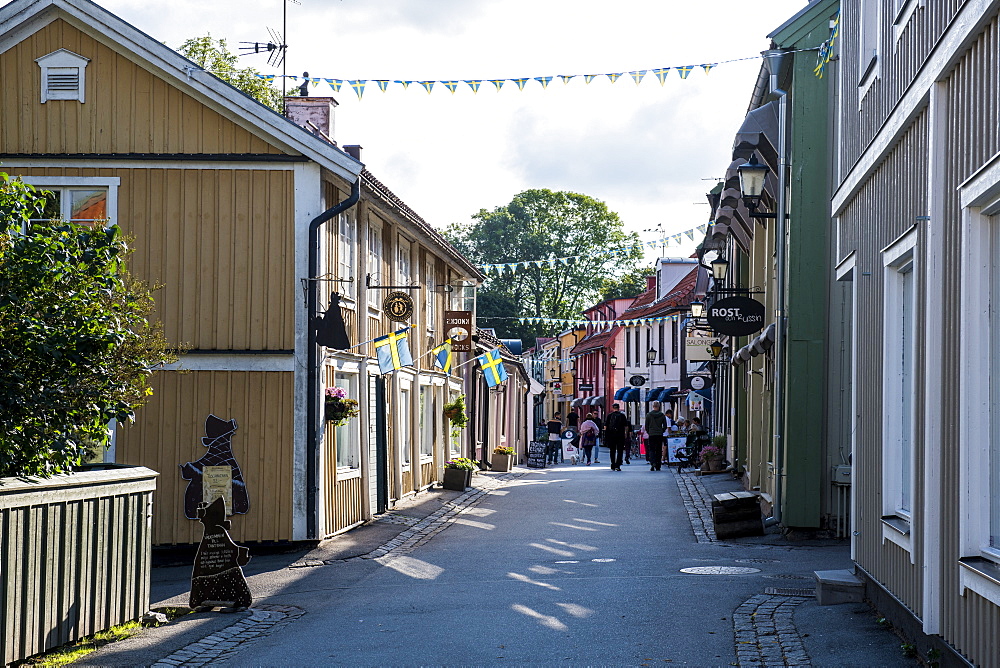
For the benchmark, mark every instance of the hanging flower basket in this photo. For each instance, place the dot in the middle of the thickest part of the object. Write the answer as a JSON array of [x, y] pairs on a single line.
[[455, 412], [338, 408]]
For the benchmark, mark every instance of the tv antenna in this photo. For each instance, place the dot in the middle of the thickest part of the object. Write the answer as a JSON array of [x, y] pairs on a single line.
[[276, 47]]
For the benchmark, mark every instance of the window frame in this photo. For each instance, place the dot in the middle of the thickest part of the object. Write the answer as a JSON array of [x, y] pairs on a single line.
[[901, 268], [350, 430], [869, 39], [66, 183], [376, 256]]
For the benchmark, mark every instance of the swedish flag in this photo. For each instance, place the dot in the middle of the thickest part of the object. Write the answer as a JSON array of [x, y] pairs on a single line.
[[442, 356], [393, 351], [492, 367]]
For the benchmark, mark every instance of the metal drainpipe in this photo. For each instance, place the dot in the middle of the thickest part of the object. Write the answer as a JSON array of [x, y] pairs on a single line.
[[313, 430], [774, 59]]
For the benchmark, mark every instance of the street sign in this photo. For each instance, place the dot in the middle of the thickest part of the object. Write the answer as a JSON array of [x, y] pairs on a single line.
[[699, 382], [458, 326], [736, 316], [696, 348], [586, 387]]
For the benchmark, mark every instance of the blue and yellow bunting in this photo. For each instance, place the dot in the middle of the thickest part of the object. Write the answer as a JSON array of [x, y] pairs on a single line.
[[442, 356]]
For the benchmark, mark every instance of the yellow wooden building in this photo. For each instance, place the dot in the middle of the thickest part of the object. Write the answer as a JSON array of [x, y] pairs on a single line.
[[218, 193]]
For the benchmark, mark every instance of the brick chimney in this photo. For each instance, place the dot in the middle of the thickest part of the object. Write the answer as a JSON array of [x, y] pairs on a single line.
[[651, 282], [353, 150], [315, 114]]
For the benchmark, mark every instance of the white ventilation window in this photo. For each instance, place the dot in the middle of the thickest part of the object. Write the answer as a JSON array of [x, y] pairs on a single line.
[[63, 75]]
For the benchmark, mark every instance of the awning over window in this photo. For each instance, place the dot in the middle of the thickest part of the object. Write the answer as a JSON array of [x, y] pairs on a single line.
[[578, 401], [667, 393], [620, 393], [594, 401], [633, 394], [759, 132], [654, 394]]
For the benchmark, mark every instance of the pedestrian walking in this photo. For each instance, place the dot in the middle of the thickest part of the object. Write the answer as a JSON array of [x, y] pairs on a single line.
[[617, 436], [554, 427], [572, 419], [656, 426], [588, 436], [600, 437]]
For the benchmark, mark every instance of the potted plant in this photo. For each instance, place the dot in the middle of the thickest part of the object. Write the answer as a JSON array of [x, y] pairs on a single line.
[[502, 459], [455, 412], [458, 473], [339, 408], [713, 458]]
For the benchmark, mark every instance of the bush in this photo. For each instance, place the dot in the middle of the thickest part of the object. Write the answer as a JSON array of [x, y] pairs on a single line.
[[503, 450], [76, 348]]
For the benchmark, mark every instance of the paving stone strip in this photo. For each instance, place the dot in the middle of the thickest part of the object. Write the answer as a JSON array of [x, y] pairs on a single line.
[[698, 503], [765, 633], [426, 528], [223, 645]]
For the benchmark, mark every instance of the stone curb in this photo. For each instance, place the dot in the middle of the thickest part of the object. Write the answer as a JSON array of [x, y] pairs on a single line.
[[765, 634]]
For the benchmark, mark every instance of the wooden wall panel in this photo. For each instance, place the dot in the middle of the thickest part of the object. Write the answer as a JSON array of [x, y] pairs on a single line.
[[127, 108], [220, 242], [168, 433]]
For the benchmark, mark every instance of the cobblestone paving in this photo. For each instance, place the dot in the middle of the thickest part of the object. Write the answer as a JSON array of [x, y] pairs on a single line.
[[426, 528], [765, 633], [222, 645], [698, 503], [393, 518]]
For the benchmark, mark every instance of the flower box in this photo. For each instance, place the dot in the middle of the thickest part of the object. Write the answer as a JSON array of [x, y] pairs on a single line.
[[456, 479], [502, 463]]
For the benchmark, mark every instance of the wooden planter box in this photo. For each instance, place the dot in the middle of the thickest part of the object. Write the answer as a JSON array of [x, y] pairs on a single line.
[[77, 555], [502, 463], [456, 479]]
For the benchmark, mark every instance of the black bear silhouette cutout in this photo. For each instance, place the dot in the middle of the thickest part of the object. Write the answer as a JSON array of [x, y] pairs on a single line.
[[219, 441], [217, 578]]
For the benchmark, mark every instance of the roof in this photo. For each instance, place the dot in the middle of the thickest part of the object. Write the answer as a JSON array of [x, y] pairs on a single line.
[[595, 341], [676, 299], [22, 18]]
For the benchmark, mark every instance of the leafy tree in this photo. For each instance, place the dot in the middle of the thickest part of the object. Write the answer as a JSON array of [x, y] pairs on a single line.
[[631, 284], [76, 347], [214, 57], [543, 224]]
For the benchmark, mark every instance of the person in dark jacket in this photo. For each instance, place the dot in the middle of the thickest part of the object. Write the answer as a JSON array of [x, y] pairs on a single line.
[[572, 420], [617, 436], [656, 427], [600, 437], [554, 446]]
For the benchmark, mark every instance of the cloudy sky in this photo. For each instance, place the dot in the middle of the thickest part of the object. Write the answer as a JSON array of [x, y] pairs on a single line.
[[648, 151]]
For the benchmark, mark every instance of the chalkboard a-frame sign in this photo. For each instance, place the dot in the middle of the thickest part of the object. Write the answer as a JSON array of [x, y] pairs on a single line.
[[736, 316]]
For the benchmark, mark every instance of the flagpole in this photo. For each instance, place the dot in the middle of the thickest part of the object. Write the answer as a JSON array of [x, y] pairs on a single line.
[[376, 338]]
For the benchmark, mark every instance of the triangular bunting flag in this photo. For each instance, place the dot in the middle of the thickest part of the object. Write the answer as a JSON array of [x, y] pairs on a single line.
[[520, 82], [637, 76], [451, 85], [690, 234], [566, 77], [358, 86], [587, 78], [335, 84], [661, 74], [684, 71], [382, 84], [702, 228], [544, 81], [497, 82], [474, 85], [613, 76], [708, 67], [428, 85], [405, 84]]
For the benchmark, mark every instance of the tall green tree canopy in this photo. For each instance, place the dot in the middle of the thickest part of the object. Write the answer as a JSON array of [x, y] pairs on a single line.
[[214, 56], [542, 224], [76, 344]]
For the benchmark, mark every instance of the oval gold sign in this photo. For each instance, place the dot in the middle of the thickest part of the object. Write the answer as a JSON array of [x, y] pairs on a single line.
[[398, 306]]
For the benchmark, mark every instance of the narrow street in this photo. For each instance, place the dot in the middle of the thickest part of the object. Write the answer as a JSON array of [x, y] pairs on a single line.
[[567, 565]]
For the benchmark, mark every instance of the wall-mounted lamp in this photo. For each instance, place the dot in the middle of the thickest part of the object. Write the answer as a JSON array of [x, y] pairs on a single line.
[[650, 355], [697, 309], [614, 361], [716, 348], [720, 267], [752, 175]]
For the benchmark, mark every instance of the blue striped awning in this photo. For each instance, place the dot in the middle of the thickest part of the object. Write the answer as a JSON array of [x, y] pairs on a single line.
[[632, 395], [620, 394], [654, 394]]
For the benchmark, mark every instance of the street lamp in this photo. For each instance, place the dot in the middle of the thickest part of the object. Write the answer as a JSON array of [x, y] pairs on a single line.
[[716, 348], [698, 308], [614, 361], [720, 267], [650, 356], [752, 175]]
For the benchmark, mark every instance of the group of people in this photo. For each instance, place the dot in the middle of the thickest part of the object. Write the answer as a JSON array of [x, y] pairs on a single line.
[[616, 433]]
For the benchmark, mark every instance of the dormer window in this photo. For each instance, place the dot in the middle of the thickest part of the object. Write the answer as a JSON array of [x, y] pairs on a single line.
[[63, 75]]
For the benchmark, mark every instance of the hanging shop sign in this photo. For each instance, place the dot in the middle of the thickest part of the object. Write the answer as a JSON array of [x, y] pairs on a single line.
[[698, 348], [637, 381], [695, 401], [458, 325], [398, 306], [736, 316], [698, 382], [586, 387]]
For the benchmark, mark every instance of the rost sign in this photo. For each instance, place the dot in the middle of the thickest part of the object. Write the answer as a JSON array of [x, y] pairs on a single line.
[[736, 316]]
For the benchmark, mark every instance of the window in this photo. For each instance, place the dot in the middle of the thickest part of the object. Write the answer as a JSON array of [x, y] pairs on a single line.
[[898, 386], [869, 33], [674, 342], [346, 437], [346, 243], [628, 348], [374, 262], [404, 427], [84, 200], [63, 76], [403, 266], [430, 285], [454, 435], [661, 338], [428, 426]]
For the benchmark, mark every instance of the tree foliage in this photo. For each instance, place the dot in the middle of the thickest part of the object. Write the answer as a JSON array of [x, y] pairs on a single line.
[[214, 57], [76, 345], [543, 224], [631, 284]]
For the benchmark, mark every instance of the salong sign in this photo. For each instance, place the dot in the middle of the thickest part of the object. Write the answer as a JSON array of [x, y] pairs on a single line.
[[736, 316]]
